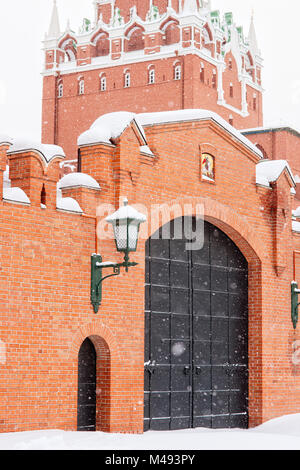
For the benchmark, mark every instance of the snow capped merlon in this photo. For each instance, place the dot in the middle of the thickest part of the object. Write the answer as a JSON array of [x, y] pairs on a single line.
[[268, 171], [47, 151], [68, 204], [109, 127], [78, 179], [15, 195]]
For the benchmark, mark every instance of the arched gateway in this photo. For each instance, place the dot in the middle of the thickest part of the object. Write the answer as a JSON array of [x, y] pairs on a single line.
[[196, 333]]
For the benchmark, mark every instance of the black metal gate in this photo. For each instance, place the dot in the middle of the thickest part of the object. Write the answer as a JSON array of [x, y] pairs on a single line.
[[196, 333], [86, 407]]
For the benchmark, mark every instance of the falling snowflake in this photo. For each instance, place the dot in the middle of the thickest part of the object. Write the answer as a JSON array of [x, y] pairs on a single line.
[[178, 349]]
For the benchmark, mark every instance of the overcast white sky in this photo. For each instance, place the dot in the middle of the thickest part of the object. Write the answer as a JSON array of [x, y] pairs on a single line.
[[24, 22]]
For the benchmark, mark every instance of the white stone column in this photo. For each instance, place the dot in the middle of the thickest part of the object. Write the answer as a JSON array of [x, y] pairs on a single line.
[[244, 96], [220, 69]]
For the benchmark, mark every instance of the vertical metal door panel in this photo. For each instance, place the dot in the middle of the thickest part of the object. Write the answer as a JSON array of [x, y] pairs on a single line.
[[202, 381], [219, 304], [202, 404], [180, 327], [201, 302], [161, 379], [179, 300], [180, 381], [196, 333]]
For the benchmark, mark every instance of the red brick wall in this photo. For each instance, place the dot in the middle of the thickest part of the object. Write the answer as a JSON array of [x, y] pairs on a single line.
[[45, 282], [43, 287], [279, 144]]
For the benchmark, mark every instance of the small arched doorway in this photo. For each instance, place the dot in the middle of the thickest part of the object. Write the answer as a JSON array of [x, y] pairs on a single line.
[[196, 333], [86, 406]]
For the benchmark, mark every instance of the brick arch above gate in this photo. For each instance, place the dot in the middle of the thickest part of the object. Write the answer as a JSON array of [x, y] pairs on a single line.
[[233, 224], [93, 330]]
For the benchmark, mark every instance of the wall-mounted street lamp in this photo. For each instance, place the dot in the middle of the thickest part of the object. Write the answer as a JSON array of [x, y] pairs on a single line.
[[295, 304], [126, 223]]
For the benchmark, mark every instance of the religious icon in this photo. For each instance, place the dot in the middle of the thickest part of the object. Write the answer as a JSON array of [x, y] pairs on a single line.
[[207, 167]]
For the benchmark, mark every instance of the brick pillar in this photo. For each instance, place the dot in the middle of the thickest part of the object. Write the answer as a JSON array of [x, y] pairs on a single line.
[[282, 221], [97, 161], [51, 177]]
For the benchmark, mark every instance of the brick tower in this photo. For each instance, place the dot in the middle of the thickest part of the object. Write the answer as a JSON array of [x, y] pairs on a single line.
[[148, 56]]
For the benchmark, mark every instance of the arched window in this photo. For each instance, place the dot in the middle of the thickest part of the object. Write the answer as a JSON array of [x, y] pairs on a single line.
[[177, 72], [151, 76], [69, 46], [102, 44], [231, 120], [81, 87], [103, 83], [172, 33], [135, 39], [231, 90], [60, 91], [127, 80]]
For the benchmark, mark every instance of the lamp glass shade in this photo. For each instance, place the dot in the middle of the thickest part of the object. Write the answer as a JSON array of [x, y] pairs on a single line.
[[126, 224], [126, 234]]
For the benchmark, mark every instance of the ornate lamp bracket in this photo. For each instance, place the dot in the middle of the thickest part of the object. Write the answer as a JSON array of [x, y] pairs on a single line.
[[97, 278]]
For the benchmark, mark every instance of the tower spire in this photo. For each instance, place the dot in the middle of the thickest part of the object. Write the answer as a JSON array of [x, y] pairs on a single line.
[[190, 6], [54, 28], [252, 38]]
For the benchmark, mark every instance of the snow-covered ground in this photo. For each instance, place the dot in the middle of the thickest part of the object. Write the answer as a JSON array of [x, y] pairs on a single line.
[[278, 434]]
